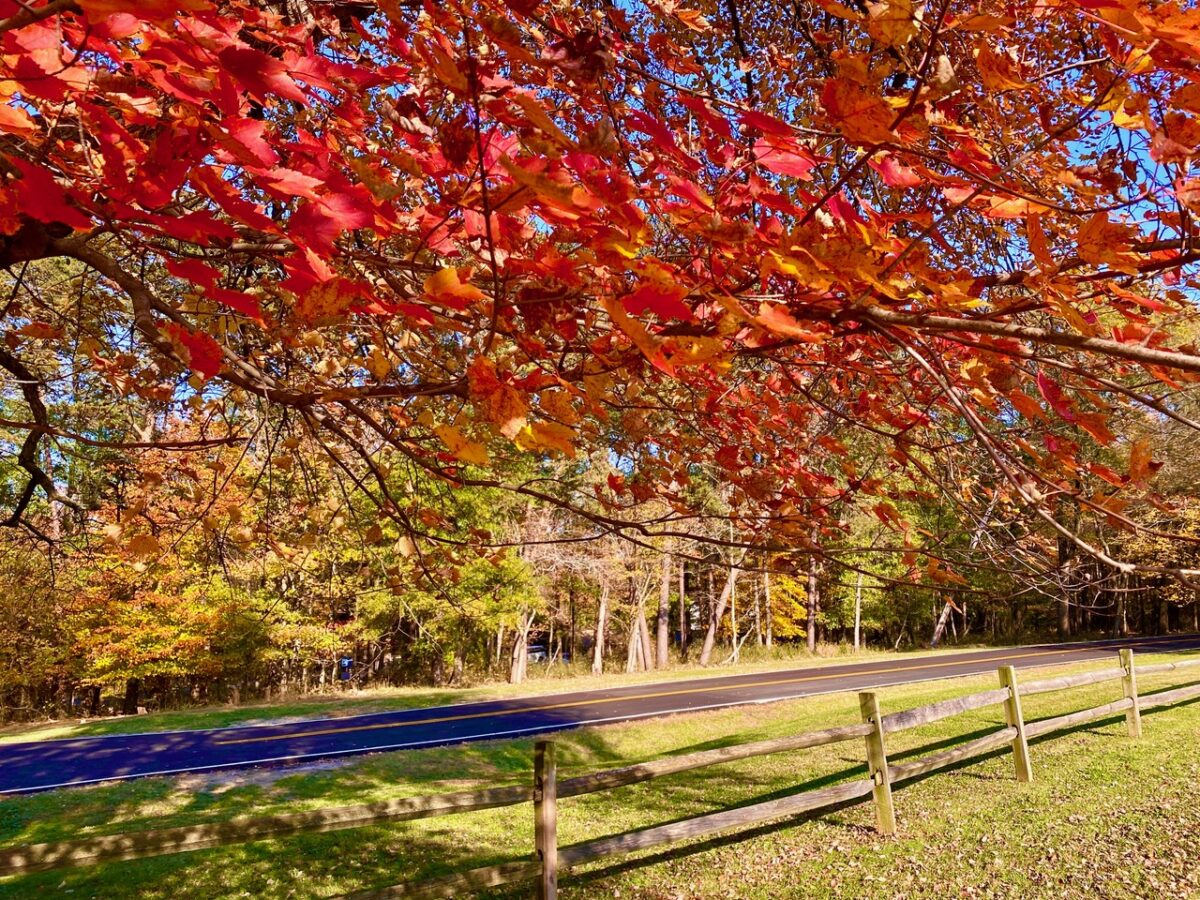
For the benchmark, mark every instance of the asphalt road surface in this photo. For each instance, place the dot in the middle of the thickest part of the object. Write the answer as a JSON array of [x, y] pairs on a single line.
[[47, 764]]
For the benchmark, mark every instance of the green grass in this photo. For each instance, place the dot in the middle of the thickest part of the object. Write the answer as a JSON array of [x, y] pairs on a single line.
[[1105, 816], [543, 680]]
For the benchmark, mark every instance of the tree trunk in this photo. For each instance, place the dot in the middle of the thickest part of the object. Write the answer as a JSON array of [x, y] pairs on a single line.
[[714, 622], [683, 612], [601, 624], [940, 628], [770, 615], [858, 613], [133, 696], [664, 614], [733, 620], [812, 605], [573, 646], [633, 646], [520, 653], [758, 622]]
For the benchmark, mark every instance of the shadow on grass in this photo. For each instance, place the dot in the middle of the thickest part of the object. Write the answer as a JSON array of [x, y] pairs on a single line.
[[322, 865]]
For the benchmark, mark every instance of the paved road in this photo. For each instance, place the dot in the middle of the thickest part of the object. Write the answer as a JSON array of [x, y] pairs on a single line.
[[46, 764]]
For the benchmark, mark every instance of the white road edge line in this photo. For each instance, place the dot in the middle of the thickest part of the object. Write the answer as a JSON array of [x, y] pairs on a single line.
[[492, 735], [1082, 646]]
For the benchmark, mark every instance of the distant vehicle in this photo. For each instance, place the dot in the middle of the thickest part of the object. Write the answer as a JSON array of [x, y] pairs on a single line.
[[537, 653]]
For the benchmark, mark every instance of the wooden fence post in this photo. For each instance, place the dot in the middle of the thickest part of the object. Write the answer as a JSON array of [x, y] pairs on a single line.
[[545, 818], [1015, 718], [877, 764], [1133, 715]]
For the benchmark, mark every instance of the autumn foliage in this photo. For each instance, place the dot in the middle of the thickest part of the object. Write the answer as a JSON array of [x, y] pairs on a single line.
[[830, 257]]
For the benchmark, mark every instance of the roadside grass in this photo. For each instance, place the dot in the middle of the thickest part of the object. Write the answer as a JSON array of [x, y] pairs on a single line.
[[1105, 816], [552, 679]]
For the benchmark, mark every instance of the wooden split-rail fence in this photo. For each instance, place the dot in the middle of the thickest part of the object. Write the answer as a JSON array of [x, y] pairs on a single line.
[[546, 789]]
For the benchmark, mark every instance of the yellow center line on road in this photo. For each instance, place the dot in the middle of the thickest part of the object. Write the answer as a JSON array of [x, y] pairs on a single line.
[[546, 707]]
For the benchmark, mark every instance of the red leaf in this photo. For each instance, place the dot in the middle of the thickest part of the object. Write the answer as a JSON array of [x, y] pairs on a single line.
[[782, 159], [263, 76], [236, 300], [664, 300], [1053, 395], [202, 351], [705, 113], [39, 195], [193, 270], [766, 124], [320, 222], [895, 173], [524, 7]]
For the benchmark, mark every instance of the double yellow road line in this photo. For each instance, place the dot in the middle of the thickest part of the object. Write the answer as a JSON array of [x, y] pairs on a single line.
[[649, 695]]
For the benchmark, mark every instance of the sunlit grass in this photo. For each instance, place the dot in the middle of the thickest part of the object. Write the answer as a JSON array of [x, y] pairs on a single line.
[[1106, 816]]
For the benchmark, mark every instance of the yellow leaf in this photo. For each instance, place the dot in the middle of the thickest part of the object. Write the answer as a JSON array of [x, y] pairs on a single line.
[[454, 285], [501, 403], [548, 436], [534, 112], [378, 364], [893, 22], [463, 448], [1139, 460], [998, 70], [442, 65], [143, 546]]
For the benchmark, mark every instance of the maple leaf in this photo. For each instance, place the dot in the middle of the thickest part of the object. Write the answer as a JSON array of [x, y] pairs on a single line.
[[148, 10], [861, 116], [893, 22], [664, 300], [501, 403], [39, 195], [1140, 460], [202, 353], [263, 76], [452, 287], [321, 221], [1053, 394], [549, 436], [998, 71], [462, 447], [15, 120], [783, 159], [895, 173]]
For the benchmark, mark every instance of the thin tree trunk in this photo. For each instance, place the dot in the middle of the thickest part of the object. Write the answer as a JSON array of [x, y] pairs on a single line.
[[770, 614], [520, 652], [940, 628], [683, 612], [733, 620], [758, 622], [714, 622], [664, 614], [858, 613], [644, 634], [573, 646], [601, 624], [633, 647], [812, 605]]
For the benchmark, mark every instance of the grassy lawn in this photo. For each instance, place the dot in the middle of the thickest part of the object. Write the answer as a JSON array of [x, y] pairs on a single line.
[[1105, 816], [543, 680]]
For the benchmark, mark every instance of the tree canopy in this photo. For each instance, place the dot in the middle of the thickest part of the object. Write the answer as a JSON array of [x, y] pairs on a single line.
[[821, 260]]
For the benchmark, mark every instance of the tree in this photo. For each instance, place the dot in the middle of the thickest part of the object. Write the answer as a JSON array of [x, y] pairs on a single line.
[[486, 245]]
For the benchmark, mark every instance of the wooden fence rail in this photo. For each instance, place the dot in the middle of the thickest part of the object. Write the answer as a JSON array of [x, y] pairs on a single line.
[[546, 790]]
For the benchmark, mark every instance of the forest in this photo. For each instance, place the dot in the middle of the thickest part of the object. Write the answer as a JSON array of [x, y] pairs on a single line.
[[351, 344]]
